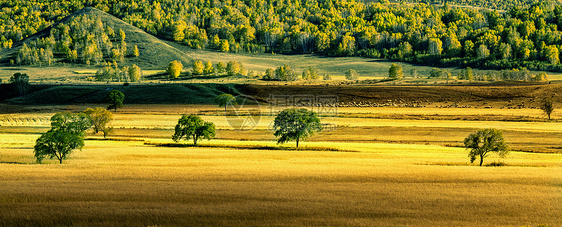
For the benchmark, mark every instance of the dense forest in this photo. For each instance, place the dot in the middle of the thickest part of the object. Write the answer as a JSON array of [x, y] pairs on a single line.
[[488, 4], [526, 36]]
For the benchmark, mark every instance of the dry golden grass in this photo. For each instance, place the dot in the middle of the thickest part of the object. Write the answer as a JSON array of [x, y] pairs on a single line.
[[126, 183], [393, 178]]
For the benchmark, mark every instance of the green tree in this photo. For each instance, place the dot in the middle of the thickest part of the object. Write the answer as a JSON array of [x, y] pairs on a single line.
[[482, 52], [215, 42], [223, 100], [547, 106], [135, 73], [220, 67], [435, 46], [347, 45], [192, 126], [351, 74], [121, 35], [468, 48], [295, 124], [312, 72], [505, 51], [20, 82], [483, 142], [66, 134], [269, 74], [198, 67], [174, 69], [306, 75], [99, 118], [467, 74], [285, 73], [541, 77], [395, 72], [233, 68], [208, 68], [135, 51], [178, 31], [225, 47], [115, 99], [552, 54]]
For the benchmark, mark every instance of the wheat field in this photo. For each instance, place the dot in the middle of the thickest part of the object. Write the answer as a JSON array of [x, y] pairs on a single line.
[[127, 181]]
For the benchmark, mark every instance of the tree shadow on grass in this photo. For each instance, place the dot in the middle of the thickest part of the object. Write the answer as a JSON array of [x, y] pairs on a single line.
[[249, 147], [16, 163]]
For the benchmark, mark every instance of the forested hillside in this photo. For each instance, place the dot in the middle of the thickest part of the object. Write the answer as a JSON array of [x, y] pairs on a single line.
[[489, 4], [529, 36]]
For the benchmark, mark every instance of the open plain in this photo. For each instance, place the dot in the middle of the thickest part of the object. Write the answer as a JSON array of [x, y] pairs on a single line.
[[392, 170]]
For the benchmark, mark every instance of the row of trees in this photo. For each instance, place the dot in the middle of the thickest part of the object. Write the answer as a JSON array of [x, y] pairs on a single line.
[[68, 131], [200, 68], [287, 73], [112, 72], [528, 36], [395, 72]]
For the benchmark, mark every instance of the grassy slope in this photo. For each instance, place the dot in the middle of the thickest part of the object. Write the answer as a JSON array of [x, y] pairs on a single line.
[[204, 93], [165, 93], [154, 53]]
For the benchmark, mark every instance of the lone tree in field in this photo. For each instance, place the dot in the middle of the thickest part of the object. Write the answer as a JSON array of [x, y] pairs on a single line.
[[224, 99], [395, 72], [351, 74], [547, 106], [66, 134], [295, 124], [174, 69], [192, 126], [99, 118], [483, 142], [115, 99]]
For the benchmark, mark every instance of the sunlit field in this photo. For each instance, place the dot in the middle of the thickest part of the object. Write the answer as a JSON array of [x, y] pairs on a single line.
[[387, 171]]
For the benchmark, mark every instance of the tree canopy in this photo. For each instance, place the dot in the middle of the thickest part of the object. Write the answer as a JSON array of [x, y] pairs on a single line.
[[295, 124], [99, 118], [547, 106], [115, 99], [174, 69], [223, 100], [483, 142], [66, 134], [193, 127], [395, 72], [20, 82]]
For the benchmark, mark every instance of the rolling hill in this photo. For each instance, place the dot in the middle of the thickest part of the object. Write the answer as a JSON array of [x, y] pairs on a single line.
[[154, 53]]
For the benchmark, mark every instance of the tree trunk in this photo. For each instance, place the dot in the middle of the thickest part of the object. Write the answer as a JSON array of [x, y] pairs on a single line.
[[60, 160], [194, 140], [481, 159], [297, 142]]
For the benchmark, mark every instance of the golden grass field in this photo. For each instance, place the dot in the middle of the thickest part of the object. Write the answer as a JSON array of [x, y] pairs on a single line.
[[390, 171]]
